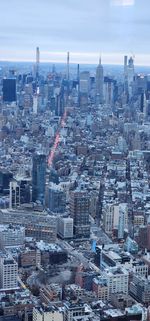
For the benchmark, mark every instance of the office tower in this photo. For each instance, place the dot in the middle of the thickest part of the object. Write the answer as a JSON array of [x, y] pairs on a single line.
[[24, 184], [9, 90], [8, 272], [125, 66], [99, 82], [37, 61], [115, 218], [130, 71], [140, 84], [108, 218], [11, 235], [59, 107], [65, 227], [121, 223], [126, 74], [78, 73], [14, 194], [108, 90], [35, 104], [38, 177], [56, 198], [68, 61], [78, 84], [84, 82], [144, 237], [79, 208], [145, 104], [120, 219], [5, 178]]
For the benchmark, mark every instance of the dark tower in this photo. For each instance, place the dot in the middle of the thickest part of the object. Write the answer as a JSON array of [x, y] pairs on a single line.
[[38, 177], [79, 209], [37, 61], [9, 90]]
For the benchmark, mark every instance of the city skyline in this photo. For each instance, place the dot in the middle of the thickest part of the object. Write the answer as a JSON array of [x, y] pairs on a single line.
[[111, 27]]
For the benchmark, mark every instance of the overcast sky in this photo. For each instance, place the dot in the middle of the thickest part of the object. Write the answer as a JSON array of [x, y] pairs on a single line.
[[83, 27]]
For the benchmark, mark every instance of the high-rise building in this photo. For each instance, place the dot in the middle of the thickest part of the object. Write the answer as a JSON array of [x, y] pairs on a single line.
[[8, 272], [79, 208], [5, 178], [108, 90], [122, 219], [14, 194], [38, 177], [130, 71], [59, 108], [84, 82], [37, 61], [126, 73], [9, 90], [115, 217], [56, 198], [68, 61], [125, 66], [99, 82], [108, 218]]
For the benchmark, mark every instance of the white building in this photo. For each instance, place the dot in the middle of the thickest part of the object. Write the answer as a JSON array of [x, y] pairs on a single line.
[[11, 236], [108, 217], [65, 227], [117, 280], [8, 272], [14, 194], [47, 314]]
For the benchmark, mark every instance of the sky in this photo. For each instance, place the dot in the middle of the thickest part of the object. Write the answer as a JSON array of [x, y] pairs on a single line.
[[85, 28]]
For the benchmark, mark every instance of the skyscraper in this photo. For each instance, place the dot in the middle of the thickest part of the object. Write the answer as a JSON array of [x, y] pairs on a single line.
[[38, 177], [125, 66], [79, 208], [68, 60], [126, 74], [9, 90], [56, 198], [130, 71], [37, 61], [14, 194], [99, 82], [84, 82]]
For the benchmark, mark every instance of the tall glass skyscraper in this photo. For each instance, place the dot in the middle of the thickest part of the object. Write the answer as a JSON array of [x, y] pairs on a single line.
[[9, 90], [99, 82], [38, 177]]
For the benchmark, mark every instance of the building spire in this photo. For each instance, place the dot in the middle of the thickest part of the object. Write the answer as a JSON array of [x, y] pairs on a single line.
[[100, 60]]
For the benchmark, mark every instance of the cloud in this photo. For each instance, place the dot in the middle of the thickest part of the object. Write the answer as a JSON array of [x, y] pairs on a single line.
[[75, 25], [123, 3]]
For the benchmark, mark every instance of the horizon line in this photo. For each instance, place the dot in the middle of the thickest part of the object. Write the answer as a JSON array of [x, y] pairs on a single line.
[[71, 63]]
